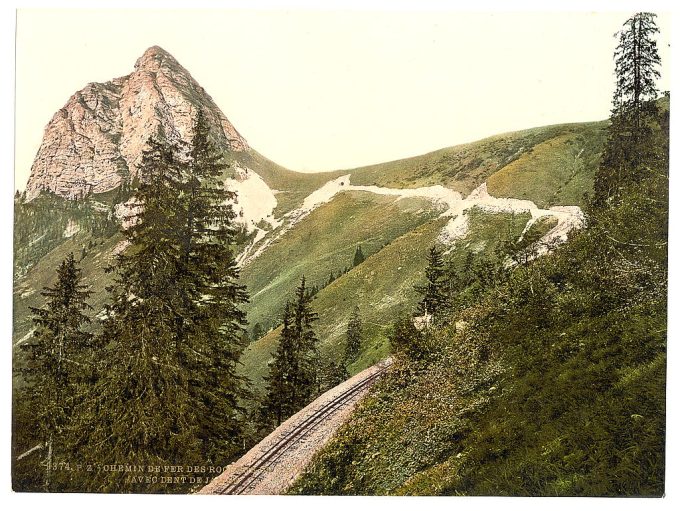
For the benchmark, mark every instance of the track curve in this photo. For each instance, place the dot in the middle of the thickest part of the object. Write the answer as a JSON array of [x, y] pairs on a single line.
[[271, 466]]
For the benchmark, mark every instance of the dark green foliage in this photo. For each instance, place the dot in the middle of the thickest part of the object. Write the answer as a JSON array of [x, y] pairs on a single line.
[[637, 59], [168, 391], [207, 282], [40, 226], [523, 250], [141, 409], [332, 374], [584, 335], [258, 331], [58, 369], [434, 295], [354, 333], [631, 145], [549, 381], [278, 403], [358, 257], [550, 384], [409, 342], [293, 378]]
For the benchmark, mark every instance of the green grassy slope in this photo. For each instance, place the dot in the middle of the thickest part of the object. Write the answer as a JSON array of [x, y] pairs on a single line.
[[555, 172], [464, 167], [27, 289], [461, 167], [325, 242], [563, 157], [554, 385], [383, 287]]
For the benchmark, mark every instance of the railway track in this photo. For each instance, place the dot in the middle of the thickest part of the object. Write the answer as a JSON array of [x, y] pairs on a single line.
[[252, 473]]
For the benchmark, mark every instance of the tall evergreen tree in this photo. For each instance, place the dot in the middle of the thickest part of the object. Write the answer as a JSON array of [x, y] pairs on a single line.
[[434, 291], [58, 362], [142, 410], [358, 256], [637, 60], [306, 376], [213, 321], [279, 401], [631, 131], [175, 331], [294, 373], [354, 334]]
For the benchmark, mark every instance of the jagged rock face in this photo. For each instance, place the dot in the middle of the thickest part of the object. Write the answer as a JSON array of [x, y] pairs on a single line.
[[97, 139]]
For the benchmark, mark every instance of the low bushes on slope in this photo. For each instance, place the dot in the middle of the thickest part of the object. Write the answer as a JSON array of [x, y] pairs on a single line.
[[551, 383]]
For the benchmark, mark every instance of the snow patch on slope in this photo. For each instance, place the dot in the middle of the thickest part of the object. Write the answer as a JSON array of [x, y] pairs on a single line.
[[437, 194], [454, 206], [246, 254], [72, 228], [255, 201], [568, 217]]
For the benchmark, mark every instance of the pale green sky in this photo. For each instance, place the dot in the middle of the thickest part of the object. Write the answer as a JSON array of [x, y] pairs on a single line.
[[322, 90]]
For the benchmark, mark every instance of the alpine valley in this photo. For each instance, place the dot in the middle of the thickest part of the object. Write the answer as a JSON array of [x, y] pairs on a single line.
[[360, 237], [463, 196]]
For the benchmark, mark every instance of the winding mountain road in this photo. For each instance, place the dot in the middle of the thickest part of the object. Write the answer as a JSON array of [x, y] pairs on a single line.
[[271, 466]]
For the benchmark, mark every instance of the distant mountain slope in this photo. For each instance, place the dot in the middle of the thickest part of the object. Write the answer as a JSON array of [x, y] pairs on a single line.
[[95, 142], [383, 287], [294, 223], [555, 171], [464, 167], [325, 241]]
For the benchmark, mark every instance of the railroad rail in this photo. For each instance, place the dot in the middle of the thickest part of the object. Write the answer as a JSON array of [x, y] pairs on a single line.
[[248, 472]]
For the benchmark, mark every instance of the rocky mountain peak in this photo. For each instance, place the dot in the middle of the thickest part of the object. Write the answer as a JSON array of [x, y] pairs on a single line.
[[96, 140], [153, 57], [156, 59]]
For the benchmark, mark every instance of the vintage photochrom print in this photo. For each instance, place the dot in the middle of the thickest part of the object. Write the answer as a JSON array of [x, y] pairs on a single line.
[[340, 252]]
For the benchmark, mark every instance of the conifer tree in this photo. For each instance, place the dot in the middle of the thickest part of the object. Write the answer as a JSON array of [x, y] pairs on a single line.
[[258, 331], [434, 296], [58, 358], [358, 256], [278, 402], [354, 333], [331, 374], [175, 331], [212, 321], [293, 373], [142, 410], [306, 376], [630, 133]]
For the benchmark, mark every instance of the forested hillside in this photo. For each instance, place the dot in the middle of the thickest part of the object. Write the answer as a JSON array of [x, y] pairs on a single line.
[[175, 313], [550, 378]]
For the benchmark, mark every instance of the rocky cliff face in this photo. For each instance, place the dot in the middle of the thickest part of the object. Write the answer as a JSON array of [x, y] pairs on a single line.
[[96, 140]]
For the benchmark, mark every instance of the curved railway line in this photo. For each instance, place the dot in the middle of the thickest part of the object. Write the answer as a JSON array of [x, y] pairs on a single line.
[[244, 479]]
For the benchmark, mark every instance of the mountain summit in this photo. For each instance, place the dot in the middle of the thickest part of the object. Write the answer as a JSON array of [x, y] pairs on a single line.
[[96, 140]]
